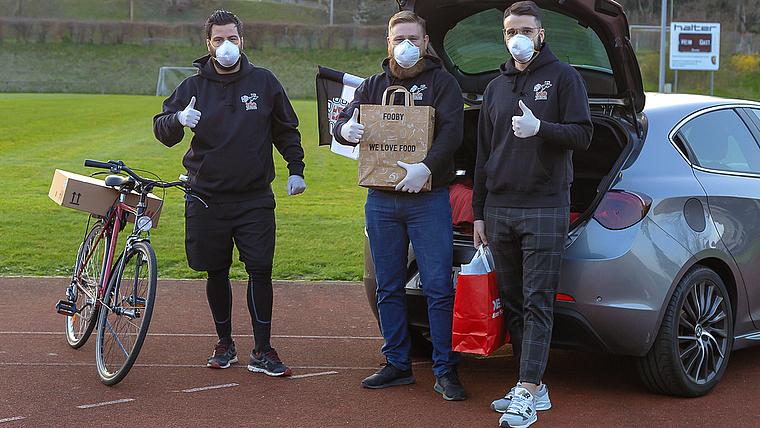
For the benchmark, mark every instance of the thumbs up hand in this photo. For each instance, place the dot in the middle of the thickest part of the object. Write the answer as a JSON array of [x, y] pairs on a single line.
[[189, 116], [526, 125], [352, 130]]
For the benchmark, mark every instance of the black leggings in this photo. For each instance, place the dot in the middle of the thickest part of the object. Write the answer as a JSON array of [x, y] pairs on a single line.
[[259, 295]]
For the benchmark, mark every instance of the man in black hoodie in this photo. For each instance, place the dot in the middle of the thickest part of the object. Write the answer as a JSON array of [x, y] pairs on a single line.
[[395, 218], [237, 112], [532, 118]]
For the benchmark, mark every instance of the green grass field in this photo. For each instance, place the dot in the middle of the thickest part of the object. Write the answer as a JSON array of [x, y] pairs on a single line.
[[158, 11], [319, 233], [196, 10], [133, 69]]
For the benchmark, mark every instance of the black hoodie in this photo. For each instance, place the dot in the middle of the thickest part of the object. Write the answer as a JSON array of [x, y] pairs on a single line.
[[533, 172], [242, 115], [431, 87]]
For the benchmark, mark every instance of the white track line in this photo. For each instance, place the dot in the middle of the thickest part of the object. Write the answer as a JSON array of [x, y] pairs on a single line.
[[236, 366], [312, 374], [123, 400], [206, 388], [283, 336], [17, 418]]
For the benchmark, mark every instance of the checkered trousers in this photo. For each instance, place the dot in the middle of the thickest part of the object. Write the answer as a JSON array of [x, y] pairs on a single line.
[[527, 245]]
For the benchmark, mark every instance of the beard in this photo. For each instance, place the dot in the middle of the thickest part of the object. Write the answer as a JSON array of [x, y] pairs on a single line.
[[407, 73]]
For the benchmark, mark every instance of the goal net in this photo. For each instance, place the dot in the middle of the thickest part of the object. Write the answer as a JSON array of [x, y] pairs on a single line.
[[170, 77]]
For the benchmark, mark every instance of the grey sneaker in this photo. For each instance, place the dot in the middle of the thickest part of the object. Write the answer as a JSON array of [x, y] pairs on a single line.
[[521, 412], [267, 362], [542, 399], [223, 356]]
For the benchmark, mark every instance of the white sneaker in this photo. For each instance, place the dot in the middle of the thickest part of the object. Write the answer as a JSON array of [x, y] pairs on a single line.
[[542, 399], [521, 412]]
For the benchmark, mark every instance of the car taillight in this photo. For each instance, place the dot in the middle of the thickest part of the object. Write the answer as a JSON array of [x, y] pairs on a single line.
[[620, 209], [565, 298]]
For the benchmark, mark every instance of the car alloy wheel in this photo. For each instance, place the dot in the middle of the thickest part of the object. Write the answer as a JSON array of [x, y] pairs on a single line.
[[691, 350]]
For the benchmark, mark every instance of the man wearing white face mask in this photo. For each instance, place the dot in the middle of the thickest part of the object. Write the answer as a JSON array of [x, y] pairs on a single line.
[[532, 117], [237, 112], [394, 218]]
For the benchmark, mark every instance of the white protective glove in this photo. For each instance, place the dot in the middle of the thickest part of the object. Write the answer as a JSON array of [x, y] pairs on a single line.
[[189, 116], [526, 125], [352, 130], [296, 185], [416, 176]]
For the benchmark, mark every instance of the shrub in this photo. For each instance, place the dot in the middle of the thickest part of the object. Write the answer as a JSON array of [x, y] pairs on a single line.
[[746, 63]]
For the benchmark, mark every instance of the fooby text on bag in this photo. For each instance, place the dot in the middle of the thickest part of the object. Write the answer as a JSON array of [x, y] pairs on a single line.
[[393, 133], [478, 326]]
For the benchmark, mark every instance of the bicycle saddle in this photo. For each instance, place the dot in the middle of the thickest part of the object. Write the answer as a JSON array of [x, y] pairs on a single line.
[[118, 180]]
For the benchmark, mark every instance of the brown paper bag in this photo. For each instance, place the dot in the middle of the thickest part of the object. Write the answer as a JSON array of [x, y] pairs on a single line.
[[393, 133]]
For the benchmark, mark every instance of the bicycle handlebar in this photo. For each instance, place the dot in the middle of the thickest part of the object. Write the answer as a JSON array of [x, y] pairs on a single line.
[[118, 166], [96, 164]]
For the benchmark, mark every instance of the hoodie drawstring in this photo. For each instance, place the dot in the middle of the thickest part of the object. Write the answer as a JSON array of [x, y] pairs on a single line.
[[229, 96], [525, 80]]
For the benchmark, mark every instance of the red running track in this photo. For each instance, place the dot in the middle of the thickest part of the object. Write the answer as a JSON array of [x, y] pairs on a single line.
[[326, 333]]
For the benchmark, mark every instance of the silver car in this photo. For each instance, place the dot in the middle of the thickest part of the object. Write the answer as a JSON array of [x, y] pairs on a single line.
[[663, 253]]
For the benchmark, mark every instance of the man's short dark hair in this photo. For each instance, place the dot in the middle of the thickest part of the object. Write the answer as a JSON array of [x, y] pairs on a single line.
[[222, 17], [524, 8]]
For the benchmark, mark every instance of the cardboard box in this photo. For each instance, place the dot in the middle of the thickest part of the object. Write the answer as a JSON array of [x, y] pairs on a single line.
[[393, 133], [89, 194]]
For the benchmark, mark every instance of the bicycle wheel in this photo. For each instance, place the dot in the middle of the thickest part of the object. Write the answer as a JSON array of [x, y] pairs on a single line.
[[125, 312], [87, 272]]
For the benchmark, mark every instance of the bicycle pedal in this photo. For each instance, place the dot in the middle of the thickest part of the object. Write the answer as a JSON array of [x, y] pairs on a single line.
[[66, 307], [139, 303]]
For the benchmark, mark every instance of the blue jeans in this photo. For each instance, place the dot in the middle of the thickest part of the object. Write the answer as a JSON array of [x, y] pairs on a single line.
[[392, 220]]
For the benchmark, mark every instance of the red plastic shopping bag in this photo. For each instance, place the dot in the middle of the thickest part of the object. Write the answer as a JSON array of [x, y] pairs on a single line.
[[478, 315]]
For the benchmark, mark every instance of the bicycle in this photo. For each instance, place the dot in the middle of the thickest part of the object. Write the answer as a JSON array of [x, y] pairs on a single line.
[[118, 296]]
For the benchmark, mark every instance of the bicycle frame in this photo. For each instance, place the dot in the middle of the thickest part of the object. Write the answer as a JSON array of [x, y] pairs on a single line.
[[114, 224]]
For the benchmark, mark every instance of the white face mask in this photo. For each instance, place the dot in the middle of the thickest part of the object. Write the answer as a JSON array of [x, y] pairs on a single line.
[[521, 48], [406, 54], [227, 54]]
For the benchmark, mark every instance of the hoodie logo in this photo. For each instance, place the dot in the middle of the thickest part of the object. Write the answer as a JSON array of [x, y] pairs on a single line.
[[417, 91], [250, 101], [540, 90]]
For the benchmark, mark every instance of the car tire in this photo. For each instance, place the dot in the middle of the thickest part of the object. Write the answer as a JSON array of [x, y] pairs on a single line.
[[691, 350]]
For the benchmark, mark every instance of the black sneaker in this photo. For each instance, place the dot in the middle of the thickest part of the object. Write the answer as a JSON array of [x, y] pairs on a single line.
[[224, 355], [449, 386], [388, 376], [267, 362]]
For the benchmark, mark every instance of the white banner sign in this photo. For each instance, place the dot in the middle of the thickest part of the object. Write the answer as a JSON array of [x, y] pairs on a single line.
[[694, 46]]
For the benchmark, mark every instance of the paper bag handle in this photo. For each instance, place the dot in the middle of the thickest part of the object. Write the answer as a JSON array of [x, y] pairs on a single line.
[[408, 101]]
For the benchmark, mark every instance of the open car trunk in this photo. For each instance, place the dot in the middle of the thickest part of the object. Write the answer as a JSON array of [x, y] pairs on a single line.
[[594, 168]]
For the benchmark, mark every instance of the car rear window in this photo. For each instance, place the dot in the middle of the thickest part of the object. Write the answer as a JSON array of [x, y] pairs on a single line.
[[720, 140], [476, 43]]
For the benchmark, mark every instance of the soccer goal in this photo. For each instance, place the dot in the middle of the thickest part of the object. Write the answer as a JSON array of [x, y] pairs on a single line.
[[170, 77]]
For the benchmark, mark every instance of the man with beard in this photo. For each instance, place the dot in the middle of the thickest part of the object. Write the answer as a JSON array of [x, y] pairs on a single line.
[[236, 112], [532, 117], [394, 218]]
